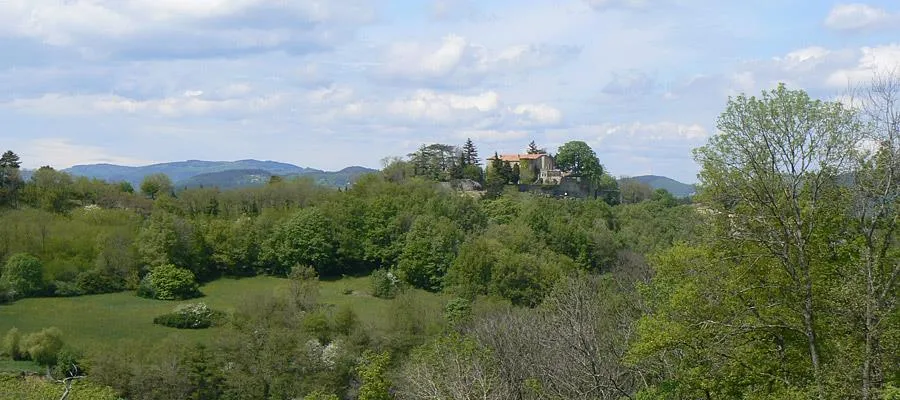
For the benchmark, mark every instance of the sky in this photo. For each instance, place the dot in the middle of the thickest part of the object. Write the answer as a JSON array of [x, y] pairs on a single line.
[[333, 83]]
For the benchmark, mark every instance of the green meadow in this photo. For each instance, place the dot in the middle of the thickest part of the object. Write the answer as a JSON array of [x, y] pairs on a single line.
[[124, 319]]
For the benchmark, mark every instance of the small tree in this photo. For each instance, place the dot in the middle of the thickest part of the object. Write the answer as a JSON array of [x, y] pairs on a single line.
[[470, 153], [12, 344], [155, 185], [24, 275], [168, 282], [533, 149], [372, 372], [44, 346]]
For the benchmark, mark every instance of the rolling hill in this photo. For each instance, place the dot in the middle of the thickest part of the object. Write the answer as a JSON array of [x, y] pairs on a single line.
[[222, 174], [678, 189]]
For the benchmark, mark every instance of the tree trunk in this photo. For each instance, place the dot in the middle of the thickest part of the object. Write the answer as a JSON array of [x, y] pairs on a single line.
[[811, 338]]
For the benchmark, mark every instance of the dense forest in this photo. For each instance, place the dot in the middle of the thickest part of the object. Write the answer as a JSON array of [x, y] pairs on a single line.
[[777, 280]]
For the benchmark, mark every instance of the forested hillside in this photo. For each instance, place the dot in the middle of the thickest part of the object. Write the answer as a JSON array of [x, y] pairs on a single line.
[[778, 280]]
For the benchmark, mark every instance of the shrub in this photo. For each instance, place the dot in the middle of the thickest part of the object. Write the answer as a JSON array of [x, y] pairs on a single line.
[[12, 343], [23, 275], [43, 347], [95, 282], [6, 293], [317, 395], [66, 289], [168, 282], [458, 311], [384, 284], [190, 316]]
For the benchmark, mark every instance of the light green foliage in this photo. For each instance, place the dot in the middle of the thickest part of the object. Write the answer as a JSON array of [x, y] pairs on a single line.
[[35, 388], [317, 395], [372, 371], [50, 190], [12, 345], [44, 346], [168, 282], [156, 185], [430, 248], [24, 275], [759, 308], [451, 367]]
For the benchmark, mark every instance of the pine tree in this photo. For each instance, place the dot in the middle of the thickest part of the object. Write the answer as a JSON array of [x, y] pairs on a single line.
[[470, 153], [533, 149], [9, 160]]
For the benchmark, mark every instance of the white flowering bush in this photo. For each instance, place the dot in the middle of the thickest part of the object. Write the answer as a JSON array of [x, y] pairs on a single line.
[[189, 316], [385, 284]]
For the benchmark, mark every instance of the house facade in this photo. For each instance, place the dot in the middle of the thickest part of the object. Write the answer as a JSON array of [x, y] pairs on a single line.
[[533, 168]]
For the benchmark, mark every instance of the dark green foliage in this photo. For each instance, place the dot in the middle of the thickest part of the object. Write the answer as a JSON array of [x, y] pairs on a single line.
[[96, 281], [23, 275], [68, 363], [10, 179], [384, 284], [470, 154], [306, 238], [168, 282]]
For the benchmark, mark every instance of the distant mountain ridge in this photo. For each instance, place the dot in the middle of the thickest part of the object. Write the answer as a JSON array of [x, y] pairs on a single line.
[[222, 174], [676, 188]]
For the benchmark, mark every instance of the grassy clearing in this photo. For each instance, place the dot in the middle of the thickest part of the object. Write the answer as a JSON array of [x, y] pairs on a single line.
[[18, 366], [123, 319]]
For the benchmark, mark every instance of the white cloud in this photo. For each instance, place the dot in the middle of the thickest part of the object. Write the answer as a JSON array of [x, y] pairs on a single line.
[[858, 16], [871, 61], [492, 135], [145, 28], [191, 103], [539, 113], [61, 153], [457, 62], [427, 104]]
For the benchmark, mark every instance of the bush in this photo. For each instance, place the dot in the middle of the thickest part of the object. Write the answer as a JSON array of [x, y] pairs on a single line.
[[458, 311], [96, 282], [384, 284], [66, 289], [23, 275], [43, 347], [168, 282], [190, 316], [6, 293], [12, 343]]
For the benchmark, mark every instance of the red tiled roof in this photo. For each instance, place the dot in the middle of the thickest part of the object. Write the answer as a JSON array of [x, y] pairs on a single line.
[[517, 157]]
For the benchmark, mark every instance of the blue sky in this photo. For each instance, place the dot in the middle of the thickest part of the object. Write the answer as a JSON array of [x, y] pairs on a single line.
[[332, 83]]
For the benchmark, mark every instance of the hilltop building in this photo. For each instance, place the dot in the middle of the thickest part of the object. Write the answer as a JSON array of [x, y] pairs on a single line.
[[537, 168]]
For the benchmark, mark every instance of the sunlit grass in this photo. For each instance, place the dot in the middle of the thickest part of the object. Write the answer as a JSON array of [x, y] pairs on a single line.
[[123, 319]]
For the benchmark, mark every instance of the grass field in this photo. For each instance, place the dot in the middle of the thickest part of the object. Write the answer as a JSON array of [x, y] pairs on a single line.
[[112, 320]]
